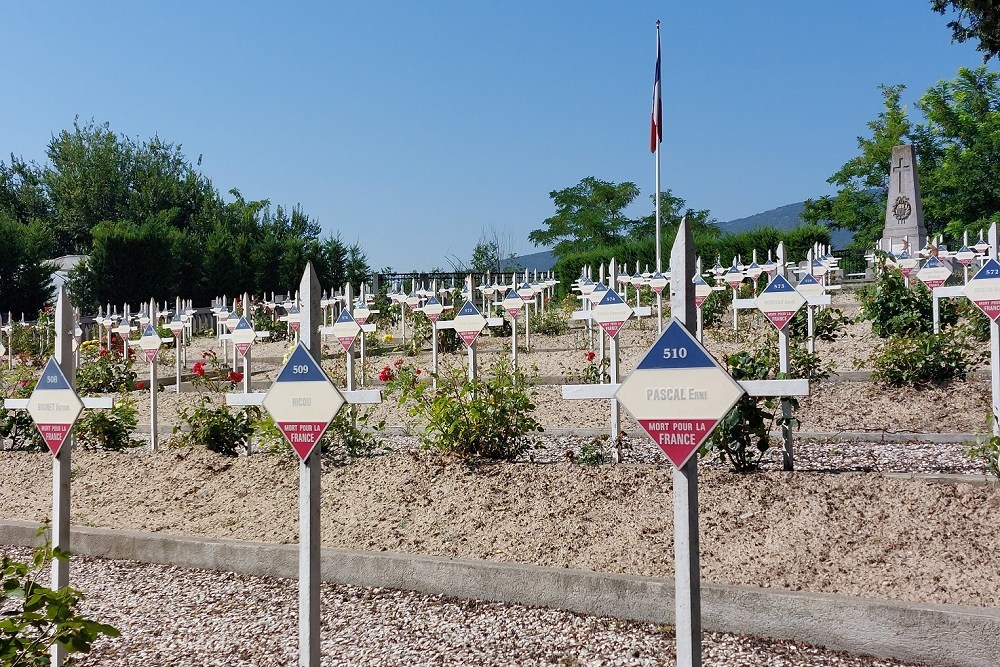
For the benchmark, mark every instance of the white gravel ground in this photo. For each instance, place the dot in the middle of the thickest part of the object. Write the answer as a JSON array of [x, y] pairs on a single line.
[[174, 617]]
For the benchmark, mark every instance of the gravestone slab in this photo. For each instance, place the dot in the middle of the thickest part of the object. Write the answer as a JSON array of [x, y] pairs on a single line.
[[904, 214]]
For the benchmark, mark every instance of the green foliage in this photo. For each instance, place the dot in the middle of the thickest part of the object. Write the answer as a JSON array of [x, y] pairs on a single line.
[[217, 428], [25, 271], [490, 417], [550, 322], [715, 306], [589, 213], [595, 371], [110, 430], [977, 20], [263, 320], [897, 310], [118, 199], [743, 435], [958, 161], [975, 319], [16, 426], [594, 452], [829, 324], [987, 448], [922, 358], [34, 617], [104, 371]]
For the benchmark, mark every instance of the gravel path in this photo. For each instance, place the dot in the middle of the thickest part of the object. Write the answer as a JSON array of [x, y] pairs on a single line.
[[173, 617]]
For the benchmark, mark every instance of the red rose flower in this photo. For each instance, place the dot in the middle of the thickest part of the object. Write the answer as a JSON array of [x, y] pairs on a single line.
[[235, 377], [590, 356], [140, 385], [199, 368], [386, 374], [398, 362], [417, 372]]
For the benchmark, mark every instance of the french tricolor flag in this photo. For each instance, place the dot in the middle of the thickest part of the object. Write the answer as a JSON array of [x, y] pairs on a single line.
[[656, 116]]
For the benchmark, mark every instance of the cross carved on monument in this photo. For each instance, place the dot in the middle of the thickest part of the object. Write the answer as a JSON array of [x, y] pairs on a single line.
[[899, 168]]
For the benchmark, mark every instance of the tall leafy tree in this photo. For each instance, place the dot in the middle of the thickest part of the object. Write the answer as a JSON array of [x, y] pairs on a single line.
[[975, 19], [25, 274], [958, 161], [859, 204], [589, 213], [962, 136]]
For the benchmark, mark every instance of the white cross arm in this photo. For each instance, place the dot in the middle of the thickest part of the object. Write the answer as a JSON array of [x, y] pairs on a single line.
[[949, 292], [819, 300], [744, 304], [357, 397], [89, 402], [751, 387]]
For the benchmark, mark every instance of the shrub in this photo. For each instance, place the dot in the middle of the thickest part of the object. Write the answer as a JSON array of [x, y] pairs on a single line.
[[16, 426], [987, 448], [36, 617], [743, 435], [103, 371], [490, 418], [829, 324], [975, 319], [897, 310], [549, 322], [217, 428], [715, 306], [108, 429], [595, 372], [922, 358]]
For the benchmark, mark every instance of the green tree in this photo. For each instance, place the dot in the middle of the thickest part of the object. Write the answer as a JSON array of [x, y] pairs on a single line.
[[977, 19], [587, 214], [961, 136], [356, 269], [958, 161], [25, 273], [859, 204]]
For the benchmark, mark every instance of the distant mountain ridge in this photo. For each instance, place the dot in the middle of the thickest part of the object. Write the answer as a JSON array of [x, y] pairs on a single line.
[[785, 218]]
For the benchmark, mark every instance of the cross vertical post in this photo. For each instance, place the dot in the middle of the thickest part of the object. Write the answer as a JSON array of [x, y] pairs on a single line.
[[61, 462], [995, 343], [687, 571], [309, 494], [788, 460]]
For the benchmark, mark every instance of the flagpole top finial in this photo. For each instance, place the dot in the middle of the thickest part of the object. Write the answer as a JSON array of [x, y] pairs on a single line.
[[657, 24]]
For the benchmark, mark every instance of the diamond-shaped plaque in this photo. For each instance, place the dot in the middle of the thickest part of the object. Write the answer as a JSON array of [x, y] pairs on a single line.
[[678, 393], [303, 401], [54, 406]]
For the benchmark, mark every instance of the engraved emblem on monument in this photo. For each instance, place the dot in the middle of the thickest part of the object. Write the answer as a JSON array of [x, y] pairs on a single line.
[[904, 214], [901, 210]]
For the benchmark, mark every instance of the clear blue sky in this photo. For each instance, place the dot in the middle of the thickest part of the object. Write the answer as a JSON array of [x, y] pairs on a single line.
[[412, 127]]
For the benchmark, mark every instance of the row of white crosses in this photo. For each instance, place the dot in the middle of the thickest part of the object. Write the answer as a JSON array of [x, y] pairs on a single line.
[[938, 267], [813, 280]]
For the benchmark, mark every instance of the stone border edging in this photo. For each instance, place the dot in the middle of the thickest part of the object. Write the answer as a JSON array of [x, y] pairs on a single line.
[[943, 635]]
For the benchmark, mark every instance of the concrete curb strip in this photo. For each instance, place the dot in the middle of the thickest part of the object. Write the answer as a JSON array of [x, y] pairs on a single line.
[[937, 634]]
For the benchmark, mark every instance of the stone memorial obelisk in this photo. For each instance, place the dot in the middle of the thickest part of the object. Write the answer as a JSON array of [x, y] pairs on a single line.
[[904, 214]]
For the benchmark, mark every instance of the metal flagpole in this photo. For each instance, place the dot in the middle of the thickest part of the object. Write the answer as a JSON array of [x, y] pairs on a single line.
[[657, 137]]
